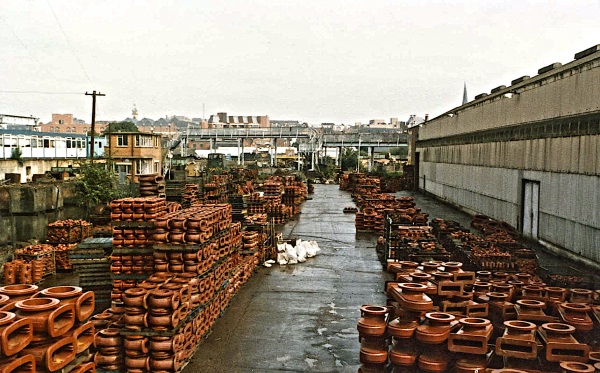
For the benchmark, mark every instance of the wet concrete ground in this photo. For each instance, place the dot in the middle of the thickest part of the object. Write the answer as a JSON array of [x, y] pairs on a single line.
[[301, 317]]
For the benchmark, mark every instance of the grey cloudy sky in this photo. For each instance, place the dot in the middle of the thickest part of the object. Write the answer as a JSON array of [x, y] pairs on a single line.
[[313, 60]]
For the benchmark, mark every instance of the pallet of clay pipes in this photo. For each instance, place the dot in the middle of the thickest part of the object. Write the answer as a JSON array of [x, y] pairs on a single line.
[[565, 276], [171, 332], [66, 234], [132, 224]]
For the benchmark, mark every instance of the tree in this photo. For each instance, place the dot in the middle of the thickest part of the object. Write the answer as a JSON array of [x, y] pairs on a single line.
[[121, 127], [96, 185], [349, 159], [16, 154]]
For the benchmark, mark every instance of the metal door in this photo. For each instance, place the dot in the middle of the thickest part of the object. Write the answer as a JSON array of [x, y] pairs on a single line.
[[531, 205]]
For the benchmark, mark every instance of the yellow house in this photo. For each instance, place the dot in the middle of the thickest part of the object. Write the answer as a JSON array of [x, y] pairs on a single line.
[[135, 153]]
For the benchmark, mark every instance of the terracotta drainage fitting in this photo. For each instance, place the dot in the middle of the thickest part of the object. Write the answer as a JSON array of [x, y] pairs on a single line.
[[23, 364], [436, 328], [576, 314], [561, 345], [373, 350], [574, 367], [83, 302], [372, 321], [48, 318], [14, 334], [53, 355], [411, 297], [518, 340], [473, 336]]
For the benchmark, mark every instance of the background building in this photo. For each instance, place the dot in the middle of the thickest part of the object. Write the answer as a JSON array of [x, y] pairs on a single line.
[[527, 154], [135, 153]]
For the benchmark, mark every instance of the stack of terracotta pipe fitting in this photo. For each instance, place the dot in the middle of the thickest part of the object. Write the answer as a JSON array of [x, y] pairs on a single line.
[[41, 252], [191, 195], [68, 231], [256, 203], [194, 225], [162, 305], [20, 271], [137, 209], [492, 319], [365, 220], [294, 194], [109, 349], [374, 341], [215, 191], [48, 329], [62, 259], [132, 220], [152, 185], [278, 212]]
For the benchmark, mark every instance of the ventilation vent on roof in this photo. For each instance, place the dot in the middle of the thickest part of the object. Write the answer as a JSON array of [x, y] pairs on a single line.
[[481, 95], [545, 69], [519, 80], [587, 52], [499, 88]]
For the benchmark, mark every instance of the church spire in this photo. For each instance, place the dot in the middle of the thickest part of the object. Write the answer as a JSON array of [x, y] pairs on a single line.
[[465, 97]]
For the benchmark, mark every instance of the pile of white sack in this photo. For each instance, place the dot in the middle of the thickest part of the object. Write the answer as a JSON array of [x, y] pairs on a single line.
[[288, 254]]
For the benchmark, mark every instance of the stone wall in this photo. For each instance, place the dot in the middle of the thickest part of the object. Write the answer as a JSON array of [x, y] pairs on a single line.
[[27, 209]]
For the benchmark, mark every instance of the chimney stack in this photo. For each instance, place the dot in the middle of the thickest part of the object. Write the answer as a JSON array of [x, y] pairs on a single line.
[[426, 117]]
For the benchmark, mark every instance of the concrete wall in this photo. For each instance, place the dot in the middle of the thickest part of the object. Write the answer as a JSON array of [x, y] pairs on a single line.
[[569, 90], [32, 167], [480, 156], [26, 210]]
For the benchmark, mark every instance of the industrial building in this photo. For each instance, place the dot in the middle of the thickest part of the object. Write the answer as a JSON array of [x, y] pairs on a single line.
[[527, 154]]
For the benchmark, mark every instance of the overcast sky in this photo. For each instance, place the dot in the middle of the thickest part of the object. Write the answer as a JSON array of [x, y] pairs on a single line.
[[317, 61]]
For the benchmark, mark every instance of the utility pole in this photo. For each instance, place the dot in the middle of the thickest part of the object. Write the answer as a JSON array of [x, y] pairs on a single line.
[[93, 94]]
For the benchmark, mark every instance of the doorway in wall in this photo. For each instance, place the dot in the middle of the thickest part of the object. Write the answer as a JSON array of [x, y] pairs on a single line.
[[531, 208]]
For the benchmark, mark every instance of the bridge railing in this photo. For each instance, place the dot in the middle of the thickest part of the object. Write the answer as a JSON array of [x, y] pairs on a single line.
[[252, 132]]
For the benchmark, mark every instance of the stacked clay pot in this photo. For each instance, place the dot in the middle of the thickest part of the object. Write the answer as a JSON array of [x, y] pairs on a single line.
[[512, 316], [152, 185], [373, 337], [132, 236], [137, 357], [109, 345]]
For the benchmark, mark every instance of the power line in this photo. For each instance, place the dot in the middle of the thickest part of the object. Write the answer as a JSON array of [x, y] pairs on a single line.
[[69, 43], [43, 92]]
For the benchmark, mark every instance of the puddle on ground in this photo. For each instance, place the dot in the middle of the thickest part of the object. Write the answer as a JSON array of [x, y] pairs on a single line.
[[321, 330], [347, 333], [283, 358], [311, 362], [327, 345]]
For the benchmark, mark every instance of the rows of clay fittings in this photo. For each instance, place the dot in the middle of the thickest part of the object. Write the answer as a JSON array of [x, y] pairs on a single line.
[[34, 262], [46, 331], [440, 318], [174, 271]]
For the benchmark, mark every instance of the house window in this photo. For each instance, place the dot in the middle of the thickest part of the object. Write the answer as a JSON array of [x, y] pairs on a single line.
[[60, 121], [122, 168], [143, 141], [122, 140], [143, 166]]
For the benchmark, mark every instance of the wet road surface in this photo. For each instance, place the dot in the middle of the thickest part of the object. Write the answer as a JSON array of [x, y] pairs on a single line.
[[301, 317]]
